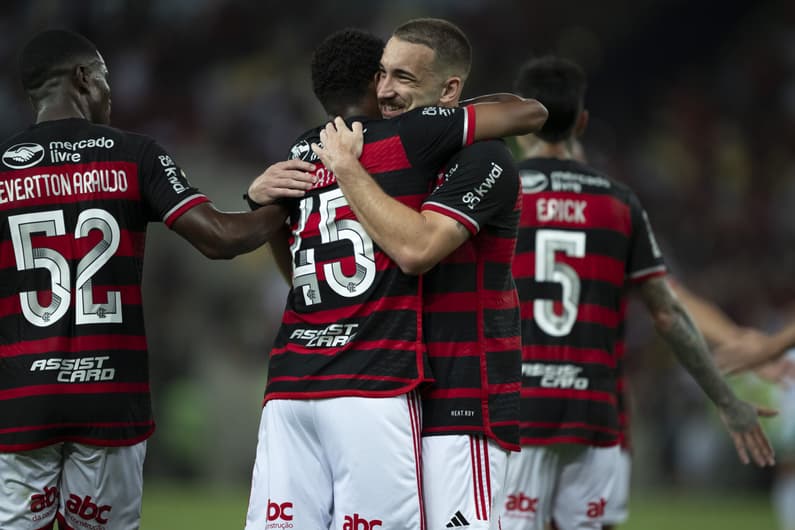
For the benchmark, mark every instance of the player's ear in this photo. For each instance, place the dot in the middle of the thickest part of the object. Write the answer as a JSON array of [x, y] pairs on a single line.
[[582, 124], [80, 77], [451, 91]]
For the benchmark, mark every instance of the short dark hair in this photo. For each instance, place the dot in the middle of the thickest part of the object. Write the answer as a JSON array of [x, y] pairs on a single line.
[[343, 66], [450, 44], [51, 53], [560, 85]]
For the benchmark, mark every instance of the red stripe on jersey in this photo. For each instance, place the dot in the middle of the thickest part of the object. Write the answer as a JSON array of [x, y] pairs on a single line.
[[384, 156], [75, 344], [384, 344], [568, 393], [568, 425], [469, 125], [467, 222], [567, 440], [601, 212], [335, 377], [98, 425], [453, 393], [57, 185], [387, 303], [183, 207], [533, 353], [456, 302], [591, 267], [74, 388]]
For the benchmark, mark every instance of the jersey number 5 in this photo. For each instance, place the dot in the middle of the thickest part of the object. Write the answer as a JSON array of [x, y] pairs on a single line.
[[29, 257], [305, 273], [548, 243]]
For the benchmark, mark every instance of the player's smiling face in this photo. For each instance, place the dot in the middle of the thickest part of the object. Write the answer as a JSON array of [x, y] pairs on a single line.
[[406, 79]]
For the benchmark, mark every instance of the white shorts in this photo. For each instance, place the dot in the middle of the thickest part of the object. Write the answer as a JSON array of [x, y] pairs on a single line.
[[463, 478], [347, 462], [86, 487], [617, 509], [568, 483]]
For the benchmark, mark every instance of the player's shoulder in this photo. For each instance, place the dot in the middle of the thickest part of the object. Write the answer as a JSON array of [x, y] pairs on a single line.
[[301, 148], [496, 149]]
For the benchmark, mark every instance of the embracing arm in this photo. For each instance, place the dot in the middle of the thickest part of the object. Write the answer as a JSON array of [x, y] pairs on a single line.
[[416, 241], [499, 115], [674, 324], [224, 235]]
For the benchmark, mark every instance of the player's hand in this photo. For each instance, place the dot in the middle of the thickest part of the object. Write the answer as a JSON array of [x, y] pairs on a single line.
[[742, 421], [781, 372], [340, 146], [288, 179], [749, 350]]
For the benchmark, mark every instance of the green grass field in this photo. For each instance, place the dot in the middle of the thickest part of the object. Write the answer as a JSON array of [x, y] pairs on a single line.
[[169, 507]]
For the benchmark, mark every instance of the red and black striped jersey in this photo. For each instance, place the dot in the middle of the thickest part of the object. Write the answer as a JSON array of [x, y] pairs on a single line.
[[75, 199], [353, 321], [583, 239], [471, 307]]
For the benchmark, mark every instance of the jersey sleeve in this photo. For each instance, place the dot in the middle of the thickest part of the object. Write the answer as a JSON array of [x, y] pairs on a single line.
[[645, 258], [432, 135], [165, 187], [480, 182]]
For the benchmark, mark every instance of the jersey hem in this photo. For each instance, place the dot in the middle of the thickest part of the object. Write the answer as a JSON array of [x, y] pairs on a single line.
[[343, 393], [509, 446], [16, 448]]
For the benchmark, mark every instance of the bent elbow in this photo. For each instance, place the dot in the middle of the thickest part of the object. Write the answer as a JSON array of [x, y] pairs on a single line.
[[414, 264]]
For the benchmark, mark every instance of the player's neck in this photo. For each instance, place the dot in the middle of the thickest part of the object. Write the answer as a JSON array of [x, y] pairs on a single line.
[[60, 107], [541, 149]]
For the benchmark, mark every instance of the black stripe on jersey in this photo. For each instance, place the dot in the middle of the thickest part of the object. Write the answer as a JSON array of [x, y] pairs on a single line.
[[438, 326], [600, 378], [390, 325], [133, 320], [582, 335], [552, 410], [456, 412], [501, 323], [77, 408], [498, 276], [394, 286], [31, 370], [504, 407], [347, 386], [449, 277], [502, 366], [600, 241], [463, 370], [379, 362], [596, 292]]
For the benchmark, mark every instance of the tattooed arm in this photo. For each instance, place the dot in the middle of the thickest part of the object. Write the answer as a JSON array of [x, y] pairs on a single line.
[[675, 325]]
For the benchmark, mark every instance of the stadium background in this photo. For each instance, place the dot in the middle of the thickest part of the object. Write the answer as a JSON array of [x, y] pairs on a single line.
[[692, 104]]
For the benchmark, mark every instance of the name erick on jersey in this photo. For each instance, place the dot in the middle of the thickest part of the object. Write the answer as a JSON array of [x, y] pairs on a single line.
[[471, 308], [75, 199], [353, 321], [583, 238]]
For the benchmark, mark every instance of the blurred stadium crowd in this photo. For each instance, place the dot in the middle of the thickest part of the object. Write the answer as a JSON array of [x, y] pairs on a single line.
[[692, 104]]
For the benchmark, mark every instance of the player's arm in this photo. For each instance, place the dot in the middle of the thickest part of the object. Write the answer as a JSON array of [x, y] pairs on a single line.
[[508, 116], [280, 249], [675, 325], [282, 180], [714, 324], [416, 241], [224, 235]]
